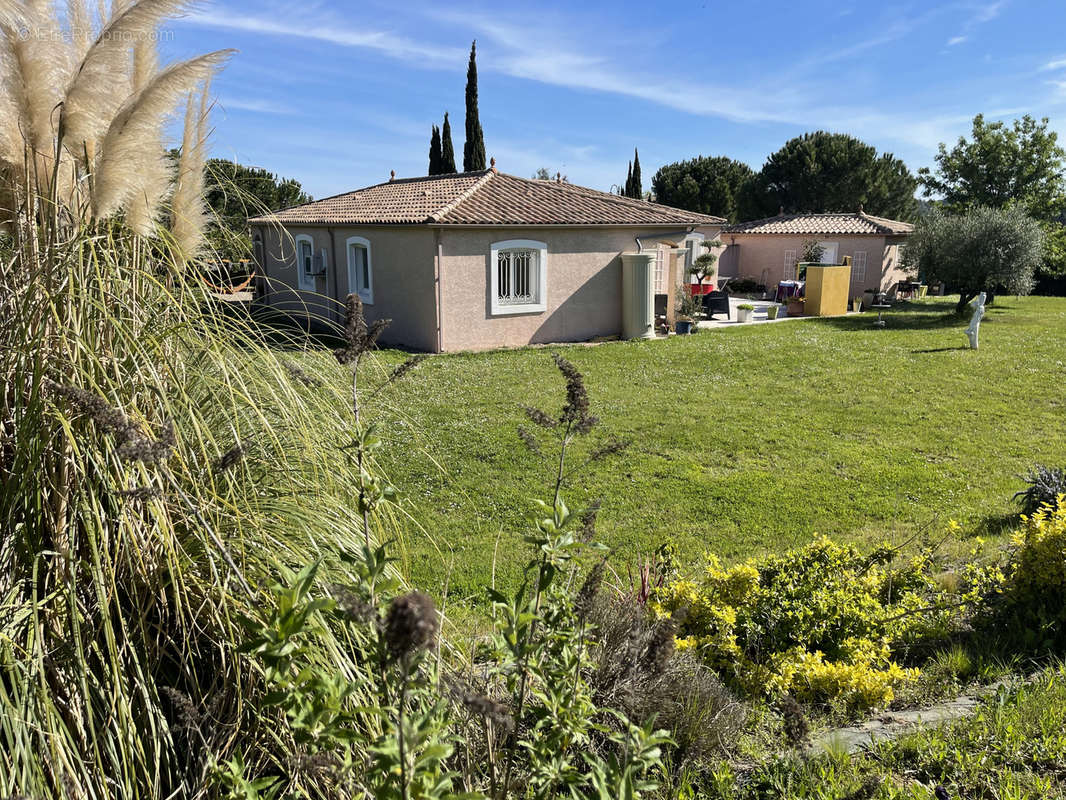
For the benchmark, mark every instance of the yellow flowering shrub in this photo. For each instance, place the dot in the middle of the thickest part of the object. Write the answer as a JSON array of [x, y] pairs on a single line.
[[1035, 590], [817, 621]]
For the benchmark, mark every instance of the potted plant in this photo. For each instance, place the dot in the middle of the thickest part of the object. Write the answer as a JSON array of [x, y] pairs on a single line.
[[771, 311], [687, 310], [856, 304], [795, 306], [744, 311]]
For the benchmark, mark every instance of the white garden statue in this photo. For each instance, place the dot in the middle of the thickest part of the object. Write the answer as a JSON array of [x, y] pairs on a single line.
[[975, 321]]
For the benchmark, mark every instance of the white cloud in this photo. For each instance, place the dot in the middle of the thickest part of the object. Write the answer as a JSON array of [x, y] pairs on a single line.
[[389, 44], [1055, 63], [982, 13], [249, 104]]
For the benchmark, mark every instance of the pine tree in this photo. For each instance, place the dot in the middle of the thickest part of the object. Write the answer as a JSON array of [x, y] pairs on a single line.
[[447, 152], [434, 152], [628, 188], [637, 191], [474, 147]]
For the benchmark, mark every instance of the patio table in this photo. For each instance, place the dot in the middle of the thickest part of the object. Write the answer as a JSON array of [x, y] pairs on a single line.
[[880, 311]]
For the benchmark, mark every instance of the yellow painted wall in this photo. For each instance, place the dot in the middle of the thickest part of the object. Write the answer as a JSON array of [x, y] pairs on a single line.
[[827, 291]]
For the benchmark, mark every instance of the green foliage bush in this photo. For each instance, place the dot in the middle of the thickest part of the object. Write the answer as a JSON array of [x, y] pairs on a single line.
[[821, 622], [1033, 603]]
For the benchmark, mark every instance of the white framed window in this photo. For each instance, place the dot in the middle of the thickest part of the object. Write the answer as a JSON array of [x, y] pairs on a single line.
[[305, 262], [660, 258], [858, 267], [519, 276], [360, 268], [790, 265], [829, 252]]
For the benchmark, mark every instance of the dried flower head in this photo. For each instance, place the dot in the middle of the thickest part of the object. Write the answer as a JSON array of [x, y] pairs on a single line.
[[352, 606], [576, 409], [297, 373], [529, 440], [795, 721], [230, 458], [588, 522], [538, 417], [358, 337], [410, 625], [660, 646], [187, 716], [406, 367], [586, 595], [133, 445], [612, 447], [140, 494], [481, 705]]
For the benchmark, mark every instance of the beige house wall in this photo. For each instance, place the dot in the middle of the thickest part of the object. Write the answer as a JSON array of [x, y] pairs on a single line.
[[584, 285], [762, 257], [401, 259]]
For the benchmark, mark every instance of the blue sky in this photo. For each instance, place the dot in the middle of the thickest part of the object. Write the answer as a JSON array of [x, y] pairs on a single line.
[[337, 94]]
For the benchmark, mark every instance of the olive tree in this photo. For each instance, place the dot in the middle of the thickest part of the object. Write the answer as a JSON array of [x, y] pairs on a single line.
[[977, 251]]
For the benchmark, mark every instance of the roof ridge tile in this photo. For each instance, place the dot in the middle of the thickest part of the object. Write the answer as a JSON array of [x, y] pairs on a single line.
[[442, 212]]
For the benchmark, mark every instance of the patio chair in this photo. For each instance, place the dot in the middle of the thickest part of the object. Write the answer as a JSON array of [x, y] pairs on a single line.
[[715, 302]]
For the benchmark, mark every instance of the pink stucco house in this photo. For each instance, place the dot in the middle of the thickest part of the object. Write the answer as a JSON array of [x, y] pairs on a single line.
[[768, 249], [472, 260]]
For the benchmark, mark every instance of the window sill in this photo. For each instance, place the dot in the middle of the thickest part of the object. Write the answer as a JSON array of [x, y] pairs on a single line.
[[525, 308]]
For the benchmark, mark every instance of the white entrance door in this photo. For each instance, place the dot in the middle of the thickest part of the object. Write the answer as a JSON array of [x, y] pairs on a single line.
[[829, 252]]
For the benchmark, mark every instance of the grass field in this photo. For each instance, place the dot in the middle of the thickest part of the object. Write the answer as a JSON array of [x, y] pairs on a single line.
[[742, 441]]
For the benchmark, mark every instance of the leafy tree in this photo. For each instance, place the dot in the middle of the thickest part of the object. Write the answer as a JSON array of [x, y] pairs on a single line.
[[703, 267], [704, 184], [447, 152], [821, 171], [978, 250], [544, 174], [434, 152], [235, 192], [474, 147], [1000, 166], [636, 189], [811, 251]]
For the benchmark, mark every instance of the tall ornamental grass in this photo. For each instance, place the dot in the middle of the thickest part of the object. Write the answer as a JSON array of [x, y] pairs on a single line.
[[160, 466]]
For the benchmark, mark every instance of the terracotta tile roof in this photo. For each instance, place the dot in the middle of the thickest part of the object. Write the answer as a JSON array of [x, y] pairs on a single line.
[[824, 224], [484, 198]]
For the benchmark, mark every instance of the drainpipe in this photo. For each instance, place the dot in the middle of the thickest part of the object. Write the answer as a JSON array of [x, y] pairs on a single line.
[[438, 265]]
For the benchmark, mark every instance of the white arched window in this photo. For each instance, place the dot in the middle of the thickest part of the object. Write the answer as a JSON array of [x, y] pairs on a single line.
[[360, 268], [519, 276], [305, 262]]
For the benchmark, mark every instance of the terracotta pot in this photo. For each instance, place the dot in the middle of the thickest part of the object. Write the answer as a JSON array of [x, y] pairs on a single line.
[[795, 308]]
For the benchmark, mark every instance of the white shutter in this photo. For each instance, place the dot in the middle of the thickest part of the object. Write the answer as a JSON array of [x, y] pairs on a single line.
[[790, 265], [858, 267]]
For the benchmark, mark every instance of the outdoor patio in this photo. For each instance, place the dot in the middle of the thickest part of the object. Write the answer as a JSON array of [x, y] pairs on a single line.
[[758, 316]]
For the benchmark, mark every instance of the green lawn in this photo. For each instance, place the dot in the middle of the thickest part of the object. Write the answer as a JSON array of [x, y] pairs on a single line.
[[743, 440]]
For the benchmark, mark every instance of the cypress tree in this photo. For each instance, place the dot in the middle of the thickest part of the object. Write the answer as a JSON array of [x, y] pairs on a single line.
[[628, 188], [447, 152], [474, 147], [638, 190], [434, 152]]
